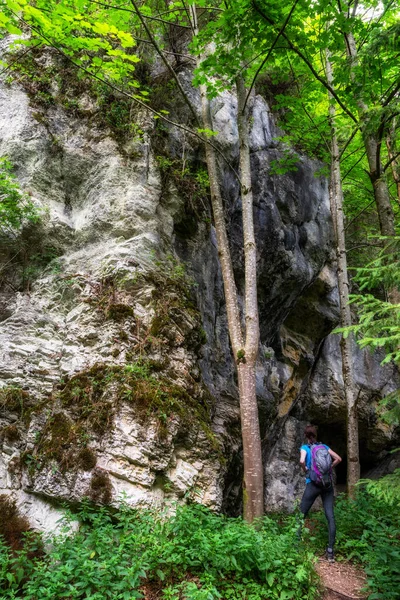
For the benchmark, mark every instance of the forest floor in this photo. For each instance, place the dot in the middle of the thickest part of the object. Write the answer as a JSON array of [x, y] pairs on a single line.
[[341, 580]]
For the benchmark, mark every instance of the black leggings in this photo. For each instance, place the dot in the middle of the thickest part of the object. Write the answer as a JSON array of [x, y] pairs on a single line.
[[311, 493]]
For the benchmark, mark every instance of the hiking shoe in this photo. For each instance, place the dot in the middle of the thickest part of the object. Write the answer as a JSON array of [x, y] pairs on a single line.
[[330, 555]]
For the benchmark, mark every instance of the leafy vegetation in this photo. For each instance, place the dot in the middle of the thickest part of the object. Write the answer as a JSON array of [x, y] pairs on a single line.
[[379, 318], [193, 554], [15, 206], [368, 531], [378, 313], [25, 250]]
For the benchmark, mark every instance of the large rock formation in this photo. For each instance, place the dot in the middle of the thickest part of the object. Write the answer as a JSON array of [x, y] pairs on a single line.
[[115, 365]]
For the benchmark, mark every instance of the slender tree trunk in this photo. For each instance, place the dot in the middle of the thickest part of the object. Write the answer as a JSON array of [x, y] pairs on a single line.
[[346, 344], [379, 183], [394, 164], [253, 490], [245, 352], [253, 470], [372, 149]]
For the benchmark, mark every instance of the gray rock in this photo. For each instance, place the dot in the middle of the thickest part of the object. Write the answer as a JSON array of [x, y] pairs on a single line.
[[115, 225]]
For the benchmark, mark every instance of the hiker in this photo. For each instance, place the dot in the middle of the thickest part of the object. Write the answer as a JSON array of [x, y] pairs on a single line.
[[317, 461]]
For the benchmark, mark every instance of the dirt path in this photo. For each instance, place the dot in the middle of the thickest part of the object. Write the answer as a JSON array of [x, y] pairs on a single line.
[[341, 581]]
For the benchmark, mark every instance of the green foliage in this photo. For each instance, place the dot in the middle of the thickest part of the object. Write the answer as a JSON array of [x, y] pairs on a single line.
[[25, 249], [192, 183], [386, 489], [285, 164], [15, 207], [193, 554], [379, 320], [368, 530], [390, 408], [91, 37]]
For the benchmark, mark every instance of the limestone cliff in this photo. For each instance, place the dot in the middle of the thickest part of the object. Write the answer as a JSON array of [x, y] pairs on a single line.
[[115, 365]]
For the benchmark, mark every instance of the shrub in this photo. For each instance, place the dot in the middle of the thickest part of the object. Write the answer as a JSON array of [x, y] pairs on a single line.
[[15, 207], [25, 244], [193, 554], [368, 531]]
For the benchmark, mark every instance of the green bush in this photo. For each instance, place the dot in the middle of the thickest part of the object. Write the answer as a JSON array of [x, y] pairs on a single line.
[[368, 531], [15, 207], [193, 554]]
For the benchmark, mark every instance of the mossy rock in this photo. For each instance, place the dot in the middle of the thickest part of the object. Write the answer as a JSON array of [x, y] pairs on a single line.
[[89, 400], [119, 312], [86, 459], [16, 400], [10, 433], [100, 489]]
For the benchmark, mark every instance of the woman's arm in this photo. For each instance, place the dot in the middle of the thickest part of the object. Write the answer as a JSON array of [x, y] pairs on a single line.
[[336, 458], [303, 460]]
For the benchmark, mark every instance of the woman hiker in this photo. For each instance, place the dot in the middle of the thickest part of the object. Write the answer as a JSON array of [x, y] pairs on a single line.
[[318, 482]]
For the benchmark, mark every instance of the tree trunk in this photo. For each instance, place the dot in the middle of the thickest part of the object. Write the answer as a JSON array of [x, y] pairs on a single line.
[[253, 490], [253, 470], [346, 344], [394, 164], [245, 354], [372, 149], [379, 183]]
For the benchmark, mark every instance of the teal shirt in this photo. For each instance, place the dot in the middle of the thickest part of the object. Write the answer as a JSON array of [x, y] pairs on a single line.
[[307, 448]]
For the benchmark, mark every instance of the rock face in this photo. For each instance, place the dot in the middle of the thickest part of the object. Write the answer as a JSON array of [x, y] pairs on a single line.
[[115, 368]]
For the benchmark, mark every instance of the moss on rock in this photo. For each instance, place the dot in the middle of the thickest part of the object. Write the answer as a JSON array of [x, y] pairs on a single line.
[[87, 404], [100, 489], [15, 399], [86, 459]]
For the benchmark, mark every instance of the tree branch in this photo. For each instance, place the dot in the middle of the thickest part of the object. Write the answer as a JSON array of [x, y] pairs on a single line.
[[269, 52], [18, 58], [165, 61], [128, 95], [390, 161], [356, 129], [393, 93], [134, 12], [308, 63], [355, 164], [359, 214]]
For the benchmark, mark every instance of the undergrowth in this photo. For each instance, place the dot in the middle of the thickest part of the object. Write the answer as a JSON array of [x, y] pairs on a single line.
[[194, 555], [368, 532]]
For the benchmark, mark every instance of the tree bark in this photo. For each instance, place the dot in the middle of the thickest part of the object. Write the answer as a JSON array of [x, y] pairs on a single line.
[[380, 186], [346, 344], [253, 490], [245, 347], [372, 149], [253, 472], [394, 160]]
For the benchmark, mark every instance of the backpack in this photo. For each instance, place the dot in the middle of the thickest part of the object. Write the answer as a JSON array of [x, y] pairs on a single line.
[[321, 466]]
